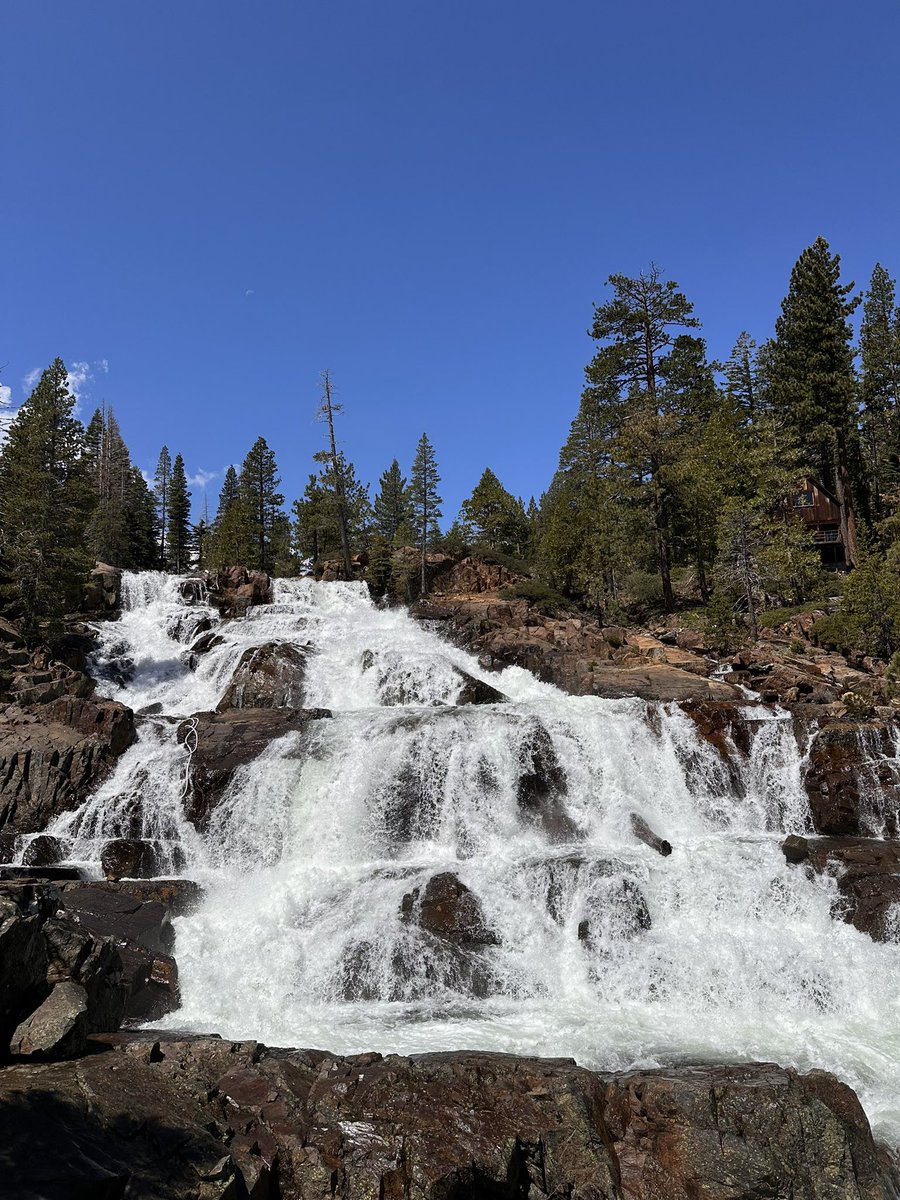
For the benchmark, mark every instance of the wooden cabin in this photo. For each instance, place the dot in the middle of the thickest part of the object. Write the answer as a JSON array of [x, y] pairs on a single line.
[[821, 514]]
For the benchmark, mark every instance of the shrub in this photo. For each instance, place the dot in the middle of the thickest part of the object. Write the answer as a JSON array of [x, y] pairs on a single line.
[[834, 632], [517, 565], [538, 595], [643, 593]]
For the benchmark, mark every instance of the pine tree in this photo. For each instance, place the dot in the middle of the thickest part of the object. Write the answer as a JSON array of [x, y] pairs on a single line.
[[45, 500], [742, 376], [161, 485], [258, 488], [494, 517], [109, 528], [327, 411], [392, 511], [425, 500], [879, 345], [635, 327], [141, 526], [178, 539], [231, 490], [812, 383], [317, 529]]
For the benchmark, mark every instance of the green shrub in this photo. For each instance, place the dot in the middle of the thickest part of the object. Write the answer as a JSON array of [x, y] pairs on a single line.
[[778, 616], [517, 565], [643, 593], [834, 632], [538, 595]]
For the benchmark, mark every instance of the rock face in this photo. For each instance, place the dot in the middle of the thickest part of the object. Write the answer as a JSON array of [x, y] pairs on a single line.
[[228, 740], [268, 676], [868, 878], [103, 591], [448, 909], [176, 1119], [573, 653], [852, 779], [129, 858], [51, 760]]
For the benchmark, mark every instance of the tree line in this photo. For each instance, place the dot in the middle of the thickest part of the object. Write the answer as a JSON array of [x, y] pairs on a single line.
[[673, 487]]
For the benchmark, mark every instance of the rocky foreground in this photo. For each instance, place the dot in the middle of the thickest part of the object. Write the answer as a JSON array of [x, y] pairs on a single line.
[[89, 1110]]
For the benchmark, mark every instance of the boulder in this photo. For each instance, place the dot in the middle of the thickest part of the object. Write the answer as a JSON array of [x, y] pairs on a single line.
[[44, 851], [52, 761], [102, 593], [448, 909], [57, 1028], [645, 834], [267, 676], [177, 1118], [228, 740], [130, 858], [234, 590], [476, 691], [543, 784]]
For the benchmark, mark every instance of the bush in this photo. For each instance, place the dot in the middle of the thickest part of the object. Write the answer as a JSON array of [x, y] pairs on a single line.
[[517, 565], [538, 595], [778, 616], [643, 593], [834, 632]]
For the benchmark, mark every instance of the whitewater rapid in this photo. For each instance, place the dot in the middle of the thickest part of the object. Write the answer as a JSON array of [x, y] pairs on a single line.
[[301, 939]]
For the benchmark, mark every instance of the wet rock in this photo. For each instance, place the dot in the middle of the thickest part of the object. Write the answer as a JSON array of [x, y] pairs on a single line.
[[601, 894], [268, 676], [448, 909], [852, 779], [57, 1028], [177, 1118], [476, 691], [44, 851], [186, 626], [129, 858], [795, 848], [542, 786], [24, 959], [229, 740], [51, 762], [206, 642], [868, 880], [645, 834]]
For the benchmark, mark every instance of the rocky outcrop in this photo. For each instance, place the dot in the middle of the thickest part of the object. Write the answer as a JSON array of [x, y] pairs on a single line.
[[853, 779], [130, 858], [176, 1118], [102, 594], [228, 740], [235, 589], [574, 653], [52, 759], [868, 879], [267, 676]]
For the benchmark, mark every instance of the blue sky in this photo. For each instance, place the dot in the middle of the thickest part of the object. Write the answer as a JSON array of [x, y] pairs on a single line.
[[205, 204]]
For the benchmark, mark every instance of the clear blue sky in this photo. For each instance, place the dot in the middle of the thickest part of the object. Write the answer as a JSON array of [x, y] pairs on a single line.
[[219, 199]]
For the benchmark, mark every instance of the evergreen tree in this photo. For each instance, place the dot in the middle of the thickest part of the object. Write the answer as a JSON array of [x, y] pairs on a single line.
[[742, 376], [425, 501], [879, 345], [261, 501], [161, 485], [812, 383], [111, 524], [231, 490], [392, 511], [636, 329], [45, 500], [317, 529], [334, 471], [140, 522], [494, 517], [178, 539]]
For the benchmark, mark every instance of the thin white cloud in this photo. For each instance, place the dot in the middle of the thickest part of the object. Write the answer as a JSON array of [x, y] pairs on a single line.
[[102, 365], [5, 396], [29, 381], [250, 292], [202, 478]]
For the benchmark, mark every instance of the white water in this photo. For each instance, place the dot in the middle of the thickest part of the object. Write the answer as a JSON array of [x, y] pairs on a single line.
[[301, 941]]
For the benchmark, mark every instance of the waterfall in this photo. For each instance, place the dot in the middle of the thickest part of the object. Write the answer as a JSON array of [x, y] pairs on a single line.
[[317, 859]]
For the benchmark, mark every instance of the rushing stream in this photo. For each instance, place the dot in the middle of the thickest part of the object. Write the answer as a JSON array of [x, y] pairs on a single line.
[[301, 939]]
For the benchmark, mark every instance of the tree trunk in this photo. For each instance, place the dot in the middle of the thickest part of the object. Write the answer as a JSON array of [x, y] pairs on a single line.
[[845, 503]]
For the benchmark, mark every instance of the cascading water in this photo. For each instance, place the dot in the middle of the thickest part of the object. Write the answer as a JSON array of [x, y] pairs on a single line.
[[317, 858]]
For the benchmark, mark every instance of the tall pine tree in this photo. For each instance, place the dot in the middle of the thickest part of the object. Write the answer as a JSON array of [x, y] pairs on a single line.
[[161, 484], [426, 502], [178, 540], [45, 499], [262, 506], [392, 511], [879, 346]]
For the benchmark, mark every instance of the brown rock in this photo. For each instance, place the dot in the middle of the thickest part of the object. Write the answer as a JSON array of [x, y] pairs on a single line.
[[868, 878], [448, 909], [852, 779], [235, 589], [268, 676], [129, 858]]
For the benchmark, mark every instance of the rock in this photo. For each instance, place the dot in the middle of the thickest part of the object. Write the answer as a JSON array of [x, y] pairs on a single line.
[[51, 763], [187, 626], [471, 576], [235, 589], [206, 642], [543, 784], [228, 740], [24, 958], [476, 691], [129, 858], [103, 591], [268, 676], [868, 880], [852, 780], [44, 851], [645, 834], [795, 848], [448, 909], [57, 1028], [174, 1118]]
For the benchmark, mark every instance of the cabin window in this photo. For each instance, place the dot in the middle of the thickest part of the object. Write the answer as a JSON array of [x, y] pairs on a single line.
[[804, 499]]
